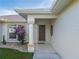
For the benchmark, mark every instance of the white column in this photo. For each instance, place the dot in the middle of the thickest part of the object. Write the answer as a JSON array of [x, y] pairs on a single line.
[[30, 21], [30, 33], [31, 41]]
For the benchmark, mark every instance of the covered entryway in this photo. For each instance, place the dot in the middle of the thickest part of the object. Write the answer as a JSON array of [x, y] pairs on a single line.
[[42, 30], [39, 26]]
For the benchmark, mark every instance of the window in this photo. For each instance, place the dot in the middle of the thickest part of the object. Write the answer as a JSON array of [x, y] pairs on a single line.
[[12, 31], [51, 30]]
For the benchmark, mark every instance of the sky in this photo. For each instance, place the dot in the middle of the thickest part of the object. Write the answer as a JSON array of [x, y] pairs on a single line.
[[7, 7]]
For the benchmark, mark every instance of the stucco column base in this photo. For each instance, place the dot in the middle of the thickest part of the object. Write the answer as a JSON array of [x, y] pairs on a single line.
[[30, 47]]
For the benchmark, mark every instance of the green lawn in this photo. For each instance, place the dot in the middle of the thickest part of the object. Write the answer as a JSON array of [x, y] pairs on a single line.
[[6, 53]]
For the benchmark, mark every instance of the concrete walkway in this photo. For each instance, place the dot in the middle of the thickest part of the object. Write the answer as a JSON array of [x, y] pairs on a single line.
[[45, 51]]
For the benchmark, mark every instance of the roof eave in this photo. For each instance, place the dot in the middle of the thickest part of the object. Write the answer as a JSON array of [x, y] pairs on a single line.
[[34, 11]]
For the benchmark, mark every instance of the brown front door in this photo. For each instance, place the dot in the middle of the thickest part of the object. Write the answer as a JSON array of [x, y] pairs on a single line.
[[41, 33]]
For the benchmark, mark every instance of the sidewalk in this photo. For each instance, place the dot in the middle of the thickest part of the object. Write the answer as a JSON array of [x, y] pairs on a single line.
[[45, 51]]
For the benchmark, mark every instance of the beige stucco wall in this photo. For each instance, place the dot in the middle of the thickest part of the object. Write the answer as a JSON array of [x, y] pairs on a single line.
[[0, 31], [66, 32]]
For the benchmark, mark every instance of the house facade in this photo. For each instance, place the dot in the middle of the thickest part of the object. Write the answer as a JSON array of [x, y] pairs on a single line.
[[64, 19], [58, 26], [8, 25]]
